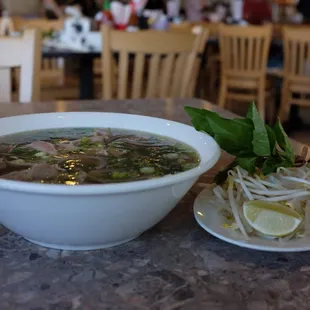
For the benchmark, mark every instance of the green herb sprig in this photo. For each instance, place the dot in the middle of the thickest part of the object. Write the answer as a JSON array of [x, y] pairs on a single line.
[[256, 146]]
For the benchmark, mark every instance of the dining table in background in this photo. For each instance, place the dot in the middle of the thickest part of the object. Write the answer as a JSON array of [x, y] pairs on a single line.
[[175, 265], [85, 62]]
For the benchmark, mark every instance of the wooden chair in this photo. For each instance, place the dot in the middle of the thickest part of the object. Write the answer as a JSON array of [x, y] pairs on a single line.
[[244, 55], [53, 69], [25, 53], [210, 72], [212, 27], [170, 60], [296, 72], [38, 23]]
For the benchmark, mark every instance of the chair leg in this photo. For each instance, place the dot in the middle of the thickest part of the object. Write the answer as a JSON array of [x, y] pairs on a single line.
[[222, 94], [210, 70], [213, 77], [285, 102], [271, 107], [261, 102]]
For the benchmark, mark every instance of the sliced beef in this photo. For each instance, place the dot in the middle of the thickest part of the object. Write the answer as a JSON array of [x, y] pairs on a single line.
[[44, 172], [3, 165], [43, 146], [22, 175]]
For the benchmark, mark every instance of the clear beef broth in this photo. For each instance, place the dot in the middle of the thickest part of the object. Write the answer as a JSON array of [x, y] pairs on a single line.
[[75, 156]]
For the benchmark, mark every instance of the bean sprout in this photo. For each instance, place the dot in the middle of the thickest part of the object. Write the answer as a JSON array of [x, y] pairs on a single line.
[[288, 186]]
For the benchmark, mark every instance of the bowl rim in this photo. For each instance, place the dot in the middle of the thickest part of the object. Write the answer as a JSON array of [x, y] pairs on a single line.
[[113, 188]]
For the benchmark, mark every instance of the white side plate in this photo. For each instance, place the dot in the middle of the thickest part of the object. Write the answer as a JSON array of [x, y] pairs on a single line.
[[212, 221]]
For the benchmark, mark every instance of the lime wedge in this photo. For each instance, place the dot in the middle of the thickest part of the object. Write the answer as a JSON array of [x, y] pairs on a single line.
[[270, 218]]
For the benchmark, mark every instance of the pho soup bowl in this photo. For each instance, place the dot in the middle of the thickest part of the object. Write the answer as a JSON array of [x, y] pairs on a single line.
[[94, 216]]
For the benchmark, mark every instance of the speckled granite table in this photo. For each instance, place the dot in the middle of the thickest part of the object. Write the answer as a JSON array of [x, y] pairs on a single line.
[[175, 265]]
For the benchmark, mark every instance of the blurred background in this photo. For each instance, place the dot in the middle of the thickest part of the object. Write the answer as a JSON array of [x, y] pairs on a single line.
[[72, 44]]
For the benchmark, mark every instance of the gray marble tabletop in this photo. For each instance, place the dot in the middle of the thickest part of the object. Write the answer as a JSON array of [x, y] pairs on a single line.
[[174, 266]]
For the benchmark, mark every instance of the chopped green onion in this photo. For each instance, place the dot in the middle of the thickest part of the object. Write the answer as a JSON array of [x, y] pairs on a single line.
[[120, 175], [147, 170], [171, 156], [189, 166], [40, 154]]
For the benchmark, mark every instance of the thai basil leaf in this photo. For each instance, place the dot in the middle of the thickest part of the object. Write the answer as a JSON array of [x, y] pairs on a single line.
[[271, 164], [272, 140], [233, 135], [284, 142], [261, 144], [247, 163]]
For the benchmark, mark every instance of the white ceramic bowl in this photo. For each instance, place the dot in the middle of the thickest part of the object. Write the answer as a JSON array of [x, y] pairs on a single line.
[[89, 217]]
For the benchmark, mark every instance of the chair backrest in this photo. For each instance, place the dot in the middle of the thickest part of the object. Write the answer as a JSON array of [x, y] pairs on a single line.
[[23, 53], [195, 29], [213, 28], [53, 69], [164, 63], [42, 24], [296, 54], [244, 50]]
